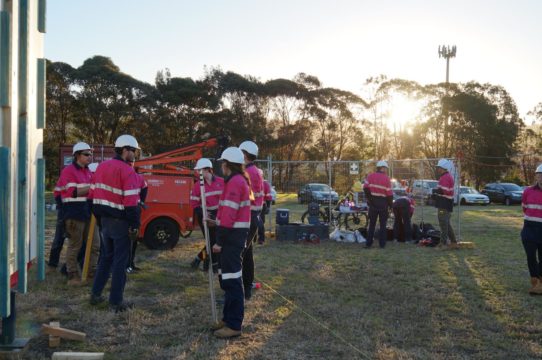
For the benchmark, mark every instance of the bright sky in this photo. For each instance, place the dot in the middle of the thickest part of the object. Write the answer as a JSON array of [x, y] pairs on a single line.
[[342, 42]]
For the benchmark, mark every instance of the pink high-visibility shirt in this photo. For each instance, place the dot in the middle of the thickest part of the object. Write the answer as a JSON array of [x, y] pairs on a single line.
[[446, 183], [379, 184], [531, 201], [212, 193], [256, 183], [234, 205]]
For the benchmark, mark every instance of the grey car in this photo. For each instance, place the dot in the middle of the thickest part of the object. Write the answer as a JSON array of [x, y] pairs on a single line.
[[315, 192], [504, 193]]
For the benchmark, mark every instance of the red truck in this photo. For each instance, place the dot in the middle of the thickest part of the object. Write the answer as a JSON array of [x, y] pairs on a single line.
[[170, 177]]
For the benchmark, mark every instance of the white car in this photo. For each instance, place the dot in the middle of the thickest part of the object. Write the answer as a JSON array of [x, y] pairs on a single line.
[[273, 195], [470, 196], [423, 189]]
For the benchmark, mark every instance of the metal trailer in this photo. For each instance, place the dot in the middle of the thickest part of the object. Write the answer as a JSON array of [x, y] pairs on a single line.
[[170, 178]]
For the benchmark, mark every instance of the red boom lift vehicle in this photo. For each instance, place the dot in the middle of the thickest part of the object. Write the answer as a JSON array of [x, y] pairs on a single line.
[[170, 178]]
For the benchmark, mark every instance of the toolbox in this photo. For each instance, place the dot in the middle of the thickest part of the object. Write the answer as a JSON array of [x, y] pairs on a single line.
[[294, 231]]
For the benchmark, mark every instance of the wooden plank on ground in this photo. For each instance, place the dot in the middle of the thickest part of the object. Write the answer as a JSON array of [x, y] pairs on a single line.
[[63, 333], [77, 356], [54, 341]]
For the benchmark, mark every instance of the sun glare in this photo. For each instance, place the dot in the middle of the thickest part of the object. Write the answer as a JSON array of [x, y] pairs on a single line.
[[402, 112]]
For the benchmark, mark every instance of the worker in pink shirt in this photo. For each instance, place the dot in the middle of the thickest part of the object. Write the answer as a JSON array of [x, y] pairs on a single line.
[[233, 223], [214, 186]]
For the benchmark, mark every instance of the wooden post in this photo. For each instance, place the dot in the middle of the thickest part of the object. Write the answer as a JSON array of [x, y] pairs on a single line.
[[63, 333], [88, 249], [54, 340]]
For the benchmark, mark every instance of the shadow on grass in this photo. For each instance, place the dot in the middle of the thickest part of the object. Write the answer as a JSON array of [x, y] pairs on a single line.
[[402, 302]]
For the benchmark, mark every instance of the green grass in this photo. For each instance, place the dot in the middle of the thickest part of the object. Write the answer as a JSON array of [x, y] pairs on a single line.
[[328, 301]]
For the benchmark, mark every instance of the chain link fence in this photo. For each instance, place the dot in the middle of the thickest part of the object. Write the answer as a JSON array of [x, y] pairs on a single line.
[[297, 183]]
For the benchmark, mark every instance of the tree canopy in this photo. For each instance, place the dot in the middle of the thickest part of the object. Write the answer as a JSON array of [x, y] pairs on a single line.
[[290, 119]]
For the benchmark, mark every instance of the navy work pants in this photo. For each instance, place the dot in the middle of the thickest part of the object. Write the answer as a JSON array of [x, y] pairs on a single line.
[[261, 225], [248, 253], [231, 277], [58, 242], [381, 214], [531, 237], [113, 260], [401, 224]]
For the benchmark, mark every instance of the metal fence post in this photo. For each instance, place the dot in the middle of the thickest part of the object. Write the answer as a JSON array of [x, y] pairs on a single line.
[[270, 181], [22, 150], [5, 201], [423, 189], [458, 200], [41, 218], [329, 191]]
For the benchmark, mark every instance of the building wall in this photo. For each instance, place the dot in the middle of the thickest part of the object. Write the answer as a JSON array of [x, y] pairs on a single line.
[[20, 107]]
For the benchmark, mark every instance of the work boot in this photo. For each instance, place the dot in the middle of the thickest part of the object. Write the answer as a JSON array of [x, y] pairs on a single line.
[[218, 325], [195, 263], [95, 300], [74, 279], [122, 307], [536, 286], [226, 332]]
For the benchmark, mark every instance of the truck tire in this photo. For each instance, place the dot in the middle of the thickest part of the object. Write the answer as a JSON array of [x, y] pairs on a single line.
[[161, 234]]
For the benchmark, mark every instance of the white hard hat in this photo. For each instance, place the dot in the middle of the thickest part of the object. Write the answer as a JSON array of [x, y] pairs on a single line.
[[250, 147], [80, 146], [92, 167], [126, 140], [203, 163], [538, 169], [443, 163], [382, 163], [233, 155]]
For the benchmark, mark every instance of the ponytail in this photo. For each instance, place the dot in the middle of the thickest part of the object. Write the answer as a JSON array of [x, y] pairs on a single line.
[[238, 169]]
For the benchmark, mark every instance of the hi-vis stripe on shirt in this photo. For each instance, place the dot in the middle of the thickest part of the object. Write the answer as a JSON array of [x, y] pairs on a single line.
[[115, 190], [446, 188], [380, 187], [77, 199], [237, 224], [241, 224], [70, 185], [227, 276], [233, 204], [108, 203], [532, 206], [532, 218], [213, 193], [229, 203]]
